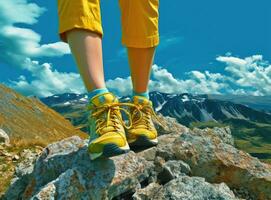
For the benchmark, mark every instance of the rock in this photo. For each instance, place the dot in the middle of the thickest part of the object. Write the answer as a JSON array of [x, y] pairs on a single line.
[[147, 193], [173, 169], [193, 188], [4, 138], [170, 125], [165, 176], [7, 154], [29, 154], [26, 166], [2, 166], [38, 149], [148, 154], [217, 161], [65, 169], [243, 193], [177, 168], [48, 192], [190, 164], [9, 158], [15, 157], [164, 148], [224, 134]]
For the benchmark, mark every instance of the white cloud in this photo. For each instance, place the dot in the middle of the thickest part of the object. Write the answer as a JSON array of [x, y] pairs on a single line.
[[197, 82], [123, 86], [24, 13], [251, 75], [47, 81], [17, 42], [164, 81], [18, 47], [20, 43]]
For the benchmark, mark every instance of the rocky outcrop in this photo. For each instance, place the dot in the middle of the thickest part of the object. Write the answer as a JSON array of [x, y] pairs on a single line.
[[4, 138], [16, 160], [213, 157], [192, 188], [187, 164]]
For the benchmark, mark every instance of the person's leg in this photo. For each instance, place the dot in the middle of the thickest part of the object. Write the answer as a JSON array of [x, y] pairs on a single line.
[[80, 26], [140, 60], [140, 35], [86, 47], [82, 30]]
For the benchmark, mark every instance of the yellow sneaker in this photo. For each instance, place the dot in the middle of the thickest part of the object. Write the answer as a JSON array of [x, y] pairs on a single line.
[[107, 133], [142, 132]]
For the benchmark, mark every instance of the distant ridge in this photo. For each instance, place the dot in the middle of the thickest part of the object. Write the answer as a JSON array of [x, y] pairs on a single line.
[[261, 103], [185, 107]]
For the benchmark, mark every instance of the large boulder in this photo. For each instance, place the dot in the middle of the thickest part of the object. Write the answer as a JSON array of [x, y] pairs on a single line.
[[65, 170], [193, 188], [211, 155]]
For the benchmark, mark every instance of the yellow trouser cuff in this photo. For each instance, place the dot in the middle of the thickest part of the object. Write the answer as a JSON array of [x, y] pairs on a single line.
[[141, 42], [79, 22]]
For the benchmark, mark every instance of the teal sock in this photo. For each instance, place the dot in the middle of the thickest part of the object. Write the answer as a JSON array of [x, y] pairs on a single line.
[[143, 94], [97, 91]]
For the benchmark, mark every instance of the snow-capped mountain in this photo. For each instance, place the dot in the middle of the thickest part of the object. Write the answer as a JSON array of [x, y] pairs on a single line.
[[185, 107], [65, 99]]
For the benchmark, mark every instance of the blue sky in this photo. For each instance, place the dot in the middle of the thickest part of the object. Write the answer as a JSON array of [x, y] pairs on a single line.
[[206, 47]]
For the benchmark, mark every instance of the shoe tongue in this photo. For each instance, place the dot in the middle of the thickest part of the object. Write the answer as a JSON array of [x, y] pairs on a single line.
[[141, 100], [104, 98]]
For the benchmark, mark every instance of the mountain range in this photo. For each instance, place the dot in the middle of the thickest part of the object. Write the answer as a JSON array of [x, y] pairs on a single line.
[[248, 116]]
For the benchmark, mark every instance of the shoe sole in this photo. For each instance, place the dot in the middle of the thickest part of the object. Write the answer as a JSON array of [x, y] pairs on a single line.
[[144, 141], [110, 150]]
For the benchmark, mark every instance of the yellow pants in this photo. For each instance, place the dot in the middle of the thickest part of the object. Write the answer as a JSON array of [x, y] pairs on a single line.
[[139, 20]]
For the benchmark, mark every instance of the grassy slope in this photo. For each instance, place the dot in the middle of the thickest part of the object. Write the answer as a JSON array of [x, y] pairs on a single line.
[[27, 120]]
